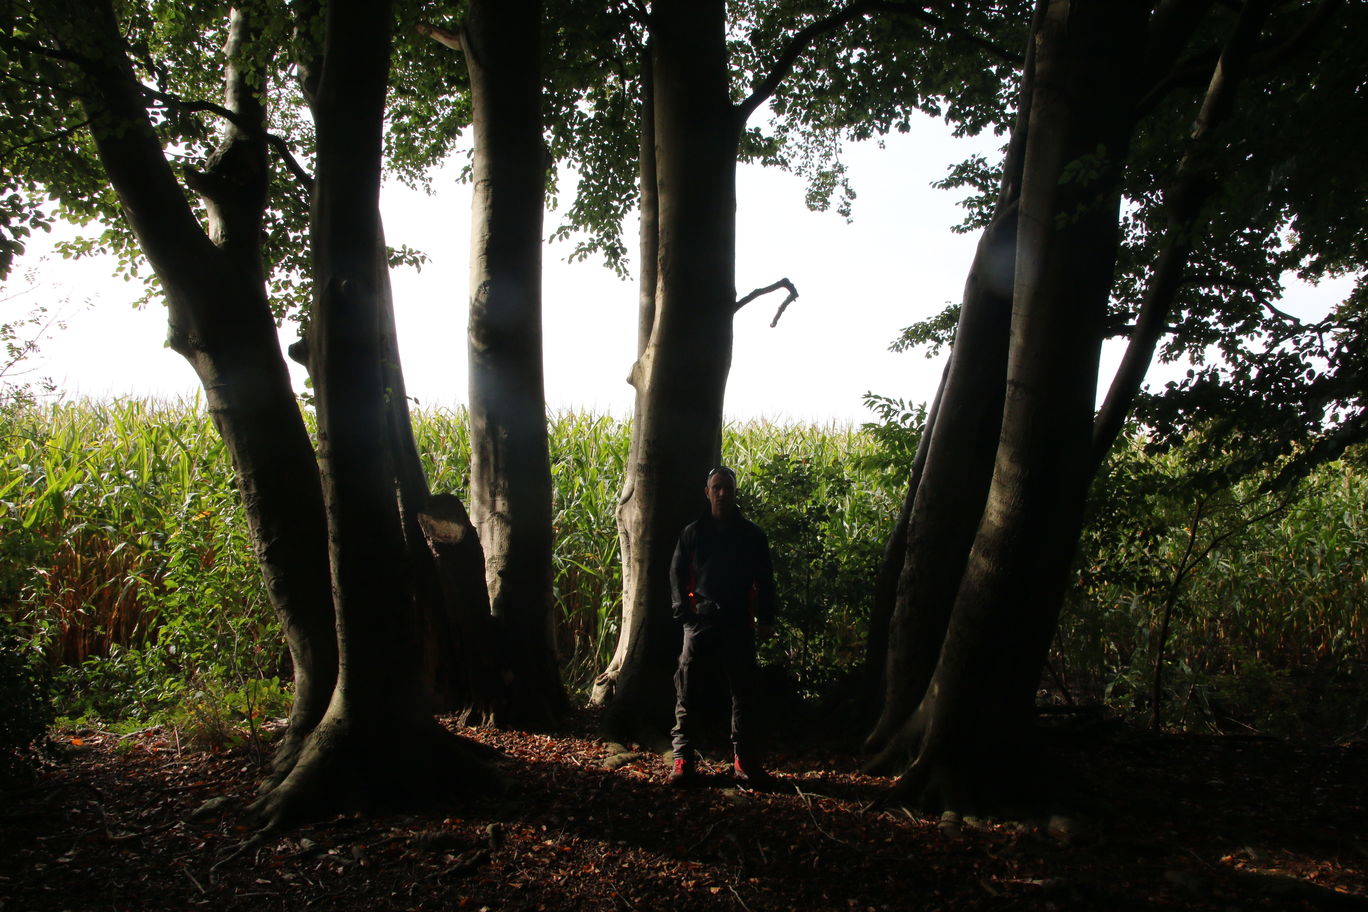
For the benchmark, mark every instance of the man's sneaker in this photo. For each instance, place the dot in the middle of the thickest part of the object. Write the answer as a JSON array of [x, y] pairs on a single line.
[[749, 772], [683, 775]]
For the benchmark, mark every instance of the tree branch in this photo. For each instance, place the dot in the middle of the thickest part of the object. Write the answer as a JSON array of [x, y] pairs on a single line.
[[954, 31], [782, 283], [291, 163], [1327, 449], [208, 107], [51, 137], [441, 35], [795, 48], [174, 101], [1294, 43], [810, 33], [1184, 200], [1190, 71]]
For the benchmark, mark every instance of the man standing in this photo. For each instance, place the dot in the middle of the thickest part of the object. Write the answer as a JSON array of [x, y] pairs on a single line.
[[722, 588]]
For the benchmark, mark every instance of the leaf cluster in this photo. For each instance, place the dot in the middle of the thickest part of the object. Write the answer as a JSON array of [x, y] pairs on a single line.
[[1267, 386], [1280, 178], [870, 77]]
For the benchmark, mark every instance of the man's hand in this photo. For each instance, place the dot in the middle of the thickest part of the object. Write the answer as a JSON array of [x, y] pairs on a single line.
[[764, 631]]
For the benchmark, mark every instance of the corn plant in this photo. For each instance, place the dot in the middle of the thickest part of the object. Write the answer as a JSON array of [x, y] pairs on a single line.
[[126, 553], [125, 563], [588, 460]]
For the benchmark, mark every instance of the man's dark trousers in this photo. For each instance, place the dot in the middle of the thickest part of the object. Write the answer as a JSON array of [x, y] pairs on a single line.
[[709, 651]]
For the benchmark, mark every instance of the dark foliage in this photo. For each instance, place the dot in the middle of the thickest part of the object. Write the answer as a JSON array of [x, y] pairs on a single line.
[[25, 707]]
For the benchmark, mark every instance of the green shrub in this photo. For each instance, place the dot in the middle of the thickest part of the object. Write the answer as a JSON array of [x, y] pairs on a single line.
[[214, 717], [25, 707], [1264, 591], [826, 502]]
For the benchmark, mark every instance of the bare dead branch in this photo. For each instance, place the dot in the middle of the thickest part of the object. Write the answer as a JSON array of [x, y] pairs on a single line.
[[782, 283]]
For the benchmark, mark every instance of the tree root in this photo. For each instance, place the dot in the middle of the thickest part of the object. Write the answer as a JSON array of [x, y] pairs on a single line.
[[344, 767], [285, 757], [627, 724], [984, 785]]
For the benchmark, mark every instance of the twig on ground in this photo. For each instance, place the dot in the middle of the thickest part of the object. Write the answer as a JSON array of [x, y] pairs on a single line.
[[738, 898], [706, 836], [807, 802]]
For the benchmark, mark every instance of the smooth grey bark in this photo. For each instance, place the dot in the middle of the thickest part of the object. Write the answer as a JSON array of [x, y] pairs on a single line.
[[458, 657], [971, 740], [681, 373], [220, 321], [945, 503], [953, 487], [649, 212], [689, 150], [377, 745], [890, 571], [971, 735], [462, 666], [510, 471], [1184, 199]]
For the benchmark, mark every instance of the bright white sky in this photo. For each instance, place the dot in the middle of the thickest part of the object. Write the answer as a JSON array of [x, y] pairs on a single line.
[[859, 284]]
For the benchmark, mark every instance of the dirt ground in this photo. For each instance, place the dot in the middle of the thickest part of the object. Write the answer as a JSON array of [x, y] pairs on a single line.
[[1172, 822]]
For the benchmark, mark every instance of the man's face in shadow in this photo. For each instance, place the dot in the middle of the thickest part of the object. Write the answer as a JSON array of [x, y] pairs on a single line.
[[721, 494]]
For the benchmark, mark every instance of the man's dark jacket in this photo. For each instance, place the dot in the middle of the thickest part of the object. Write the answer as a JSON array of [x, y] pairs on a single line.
[[721, 575]]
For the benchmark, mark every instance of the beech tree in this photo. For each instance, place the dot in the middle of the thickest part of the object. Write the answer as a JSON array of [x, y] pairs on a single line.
[[692, 134], [225, 280], [510, 472], [214, 280], [378, 743], [1106, 92]]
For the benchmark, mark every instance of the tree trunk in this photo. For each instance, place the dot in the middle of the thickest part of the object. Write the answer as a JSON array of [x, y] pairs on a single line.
[[949, 497], [458, 660], [1184, 199], [649, 215], [947, 500], [376, 746], [680, 376], [972, 732], [510, 471], [870, 700], [220, 320]]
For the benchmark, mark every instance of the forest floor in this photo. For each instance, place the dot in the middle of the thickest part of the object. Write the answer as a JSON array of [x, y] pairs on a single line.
[[1167, 821]]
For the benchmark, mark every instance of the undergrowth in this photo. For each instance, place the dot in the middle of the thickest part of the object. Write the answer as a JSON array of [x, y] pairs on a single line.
[[126, 566]]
